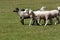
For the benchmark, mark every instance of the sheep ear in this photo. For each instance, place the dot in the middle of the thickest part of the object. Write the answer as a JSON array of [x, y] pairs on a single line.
[[17, 8], [23, 9]]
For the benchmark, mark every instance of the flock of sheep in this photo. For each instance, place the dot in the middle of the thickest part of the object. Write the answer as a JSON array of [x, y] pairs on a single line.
[[36, 16]]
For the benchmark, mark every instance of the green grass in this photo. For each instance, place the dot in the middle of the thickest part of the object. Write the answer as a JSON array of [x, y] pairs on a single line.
[[12, 29]]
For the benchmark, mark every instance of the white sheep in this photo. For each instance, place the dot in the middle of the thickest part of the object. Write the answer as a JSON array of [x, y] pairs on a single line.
[[41, 14]]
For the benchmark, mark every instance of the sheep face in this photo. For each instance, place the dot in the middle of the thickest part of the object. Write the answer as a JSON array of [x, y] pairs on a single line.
[[16, 10]]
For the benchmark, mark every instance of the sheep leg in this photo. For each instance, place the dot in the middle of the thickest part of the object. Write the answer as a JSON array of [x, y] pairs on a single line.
[[37, 20], [46, 21], [33, 21], [30, 22], [51, 21], [22, 20], [57, 20]]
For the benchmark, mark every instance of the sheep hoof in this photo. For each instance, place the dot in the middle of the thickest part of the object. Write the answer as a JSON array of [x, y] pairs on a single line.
[[40, 24], [44, 25], [55, 23]]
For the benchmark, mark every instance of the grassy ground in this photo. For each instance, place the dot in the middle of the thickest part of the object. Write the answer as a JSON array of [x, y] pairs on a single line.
[[11, 28]]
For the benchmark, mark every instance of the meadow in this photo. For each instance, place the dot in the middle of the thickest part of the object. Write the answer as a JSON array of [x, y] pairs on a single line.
[[12, 29]]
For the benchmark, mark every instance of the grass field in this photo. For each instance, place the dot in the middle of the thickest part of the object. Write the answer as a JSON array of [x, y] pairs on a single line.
[[12, 29]]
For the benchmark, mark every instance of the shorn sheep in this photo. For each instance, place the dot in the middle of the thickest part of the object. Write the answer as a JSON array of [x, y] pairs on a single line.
[[41, 15], [55, 14]]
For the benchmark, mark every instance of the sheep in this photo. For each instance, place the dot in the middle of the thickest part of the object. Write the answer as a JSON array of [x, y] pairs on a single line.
[[40, 15], [22, 14], [55, 14]]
